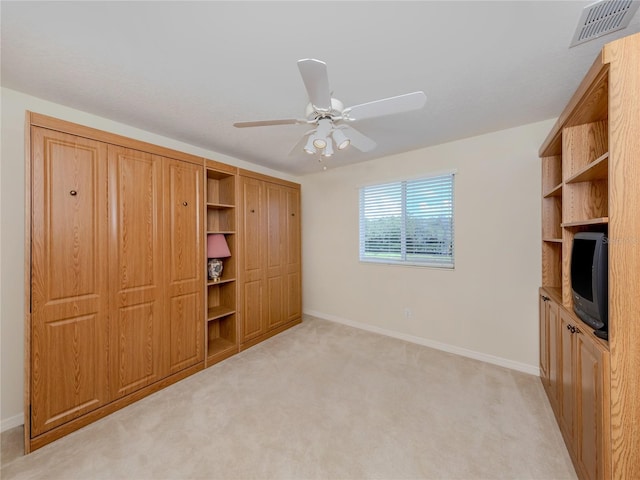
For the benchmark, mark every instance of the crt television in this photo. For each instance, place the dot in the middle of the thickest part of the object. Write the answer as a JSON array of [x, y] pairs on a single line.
[[589, 279]]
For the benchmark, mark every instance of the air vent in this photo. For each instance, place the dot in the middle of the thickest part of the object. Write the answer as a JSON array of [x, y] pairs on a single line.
[[603, 17]]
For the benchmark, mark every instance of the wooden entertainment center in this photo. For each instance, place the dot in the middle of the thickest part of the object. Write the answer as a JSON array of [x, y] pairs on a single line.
[[591, 182]]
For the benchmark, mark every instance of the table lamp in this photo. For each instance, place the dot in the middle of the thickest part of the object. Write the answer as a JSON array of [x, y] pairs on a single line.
[[217, 248]]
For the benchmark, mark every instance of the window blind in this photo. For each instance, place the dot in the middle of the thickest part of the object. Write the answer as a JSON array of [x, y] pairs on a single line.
[[409, 222]]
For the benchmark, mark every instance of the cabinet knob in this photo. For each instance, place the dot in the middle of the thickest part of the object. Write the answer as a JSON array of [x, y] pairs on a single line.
[[253, 211], [573, 329], [185, 203], [73, 193]]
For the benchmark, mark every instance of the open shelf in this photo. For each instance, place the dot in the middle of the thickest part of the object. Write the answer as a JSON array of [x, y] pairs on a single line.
[[583, 223], [213, 313], [596, 170], [221, 281], [221, 220], [221, 339], [217, 345], [220, 188], [554, 192], [221, 299]]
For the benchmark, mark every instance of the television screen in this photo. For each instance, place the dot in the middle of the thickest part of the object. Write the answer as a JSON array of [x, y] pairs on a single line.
[[581, 267]]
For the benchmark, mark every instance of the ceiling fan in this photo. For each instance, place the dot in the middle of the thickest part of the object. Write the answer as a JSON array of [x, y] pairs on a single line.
[[330, 118]]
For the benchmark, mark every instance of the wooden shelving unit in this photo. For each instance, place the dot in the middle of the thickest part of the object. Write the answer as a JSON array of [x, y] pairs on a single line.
[[221, 318], [590, 178]]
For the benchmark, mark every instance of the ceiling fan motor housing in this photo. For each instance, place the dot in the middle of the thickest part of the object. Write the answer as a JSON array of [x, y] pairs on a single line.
[[314, 114]]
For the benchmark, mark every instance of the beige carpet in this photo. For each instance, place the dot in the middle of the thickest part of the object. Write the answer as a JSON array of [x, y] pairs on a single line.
[[325, 401]]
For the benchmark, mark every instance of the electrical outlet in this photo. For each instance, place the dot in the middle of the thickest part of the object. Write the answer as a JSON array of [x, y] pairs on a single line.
[[407, 313]]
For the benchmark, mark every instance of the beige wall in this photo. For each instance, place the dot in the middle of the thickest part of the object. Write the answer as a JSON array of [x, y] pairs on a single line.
[[12, 192], [487, 307]]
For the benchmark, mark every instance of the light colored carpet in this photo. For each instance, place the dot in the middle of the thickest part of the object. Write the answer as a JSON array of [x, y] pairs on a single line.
[[321, 400]]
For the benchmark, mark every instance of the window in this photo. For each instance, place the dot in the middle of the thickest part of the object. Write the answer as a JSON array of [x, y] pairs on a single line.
[[408, 222]]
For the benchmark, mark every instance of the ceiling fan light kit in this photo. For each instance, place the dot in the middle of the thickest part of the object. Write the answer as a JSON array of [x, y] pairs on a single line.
[[330, 117], [341, 139]]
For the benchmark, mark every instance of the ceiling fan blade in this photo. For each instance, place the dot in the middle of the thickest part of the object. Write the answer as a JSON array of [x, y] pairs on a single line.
[[267, 123], [386, 106], [358, 140], [316, 81]]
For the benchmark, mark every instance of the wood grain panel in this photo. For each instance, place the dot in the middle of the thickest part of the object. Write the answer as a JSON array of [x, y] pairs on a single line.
[[552, 264], [624, 253], [592, 438], [137, 319], [582, 145], [252, 259], [252, 310], [186, 346], [69, 278], [275, 313], [555, 377], [293, 247], [567, 413], [543, 306], [184, 193], [275, 235], [294, 296], [252, 227], [551, 172], [552, 217], [185, 255], [136, 346]]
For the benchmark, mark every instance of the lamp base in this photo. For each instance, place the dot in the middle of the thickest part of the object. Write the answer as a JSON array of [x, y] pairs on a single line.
[[214, 269]]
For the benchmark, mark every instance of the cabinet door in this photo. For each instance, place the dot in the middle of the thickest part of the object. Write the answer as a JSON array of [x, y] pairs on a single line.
[[275, 237], [544, 339], [293, 271], [252, 258], [592, 426], [567, 374], [69, 289], [555, 360], [137, 319], [184, 263]]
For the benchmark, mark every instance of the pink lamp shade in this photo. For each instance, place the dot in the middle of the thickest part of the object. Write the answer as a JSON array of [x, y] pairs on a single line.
[[217, 246]]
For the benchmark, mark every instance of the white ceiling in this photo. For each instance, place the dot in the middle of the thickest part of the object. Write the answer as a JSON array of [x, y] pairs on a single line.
[[189, 70]]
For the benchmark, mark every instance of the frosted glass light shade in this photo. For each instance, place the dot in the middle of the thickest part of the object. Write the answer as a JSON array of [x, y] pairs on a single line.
[[217, 246]]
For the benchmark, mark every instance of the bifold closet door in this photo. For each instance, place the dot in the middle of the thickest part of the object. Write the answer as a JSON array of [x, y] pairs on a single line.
[[283, 254], [275, 259], [293, 256], [137, 312], [185, 264], [69, 278], [252, 258]]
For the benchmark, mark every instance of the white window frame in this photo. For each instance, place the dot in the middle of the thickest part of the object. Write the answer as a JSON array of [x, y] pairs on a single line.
[[391, 203]]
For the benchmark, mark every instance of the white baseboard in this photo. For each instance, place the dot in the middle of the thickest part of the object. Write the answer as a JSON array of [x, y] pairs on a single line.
[[11, 422], [483, 357]]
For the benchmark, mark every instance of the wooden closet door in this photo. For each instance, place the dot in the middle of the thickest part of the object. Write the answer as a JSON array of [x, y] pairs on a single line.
[[292, 268], [137, 319], [276, 255], [252, 258], [68, 278], [185, 263]]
